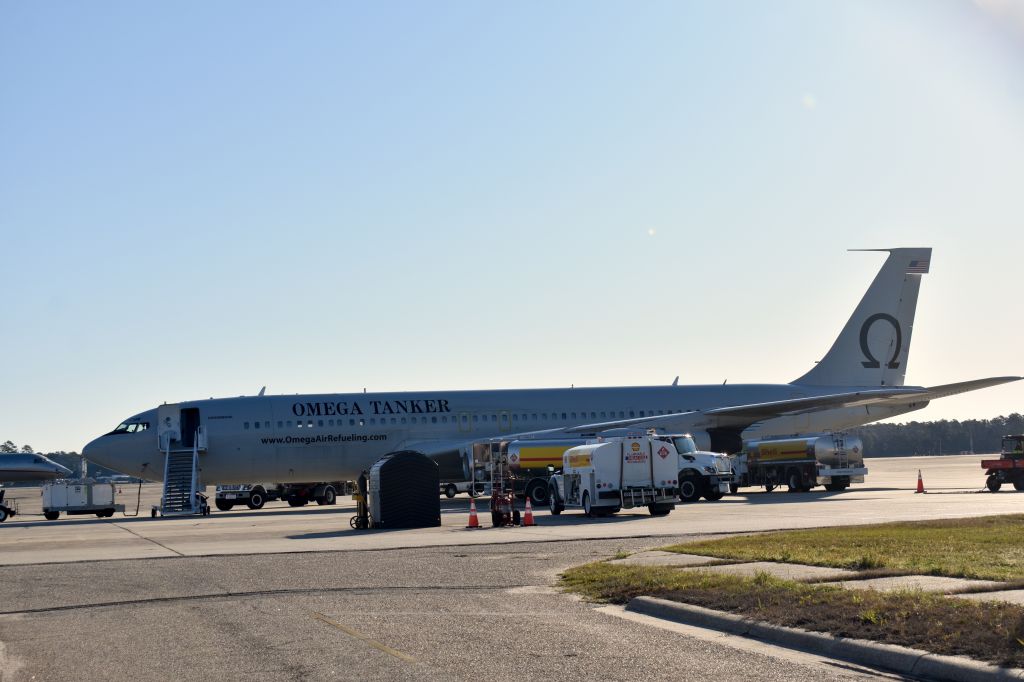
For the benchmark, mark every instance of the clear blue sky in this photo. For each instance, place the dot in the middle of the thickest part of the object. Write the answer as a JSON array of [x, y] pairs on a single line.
[[197, 199]]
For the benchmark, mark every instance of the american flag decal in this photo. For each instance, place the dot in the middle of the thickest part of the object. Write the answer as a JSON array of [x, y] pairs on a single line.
[[918, 267]]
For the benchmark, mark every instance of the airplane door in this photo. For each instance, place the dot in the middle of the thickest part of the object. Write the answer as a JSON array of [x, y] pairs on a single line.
[[168, 425], [504, 422], [189, 426]]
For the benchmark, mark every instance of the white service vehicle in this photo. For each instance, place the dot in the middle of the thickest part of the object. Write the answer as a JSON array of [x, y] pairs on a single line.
[[701, 473], [602, 478], [79, 497], [255, 495]]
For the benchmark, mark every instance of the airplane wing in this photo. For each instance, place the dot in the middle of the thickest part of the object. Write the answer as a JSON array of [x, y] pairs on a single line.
[[736, 416], [946, 390]]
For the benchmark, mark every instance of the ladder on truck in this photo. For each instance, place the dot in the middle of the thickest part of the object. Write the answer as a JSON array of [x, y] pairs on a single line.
[[842, 457], [181, 476]]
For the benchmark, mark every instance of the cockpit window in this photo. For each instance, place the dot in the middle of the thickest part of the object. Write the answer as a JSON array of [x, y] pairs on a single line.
[[129, 427]]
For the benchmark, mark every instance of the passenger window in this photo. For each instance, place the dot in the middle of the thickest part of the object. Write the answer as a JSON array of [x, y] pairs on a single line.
[[298, 425], [465, 419], [413, 419], [330, 422], [534, 417], [515, 417], [631, 414], [280, 424], [475, 419], [289, 423], [255, 425], [362, 422], [320, 423], [563, 415], [393, 420], [494, 418], [309, 424], [641, 413], [602, 415], [403, 420], [433, 420], [266, 424]]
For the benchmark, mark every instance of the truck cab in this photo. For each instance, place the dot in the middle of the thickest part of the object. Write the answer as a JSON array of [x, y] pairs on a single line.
[[701, 473]]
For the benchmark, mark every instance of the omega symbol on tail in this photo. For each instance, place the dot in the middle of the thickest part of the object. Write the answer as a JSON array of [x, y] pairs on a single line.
[[870, 361]]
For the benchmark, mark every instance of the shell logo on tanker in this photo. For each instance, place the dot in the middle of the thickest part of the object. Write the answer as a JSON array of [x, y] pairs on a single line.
[[636, 446]]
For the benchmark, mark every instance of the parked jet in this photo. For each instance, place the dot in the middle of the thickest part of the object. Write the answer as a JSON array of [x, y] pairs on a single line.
[[330, 437], [30, 467]]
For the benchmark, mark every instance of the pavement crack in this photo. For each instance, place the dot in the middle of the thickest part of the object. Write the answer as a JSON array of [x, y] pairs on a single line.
[[143, 537], [258, 593]]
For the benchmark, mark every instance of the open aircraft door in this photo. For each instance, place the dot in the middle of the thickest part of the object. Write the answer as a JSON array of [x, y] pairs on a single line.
[[168, 424]]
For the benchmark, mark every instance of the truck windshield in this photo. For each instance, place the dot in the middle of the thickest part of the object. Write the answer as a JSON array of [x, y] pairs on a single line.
[[684, 445], [1013, 446]]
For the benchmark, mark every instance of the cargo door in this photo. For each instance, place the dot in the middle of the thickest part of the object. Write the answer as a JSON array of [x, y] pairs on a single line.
[[636, 464]]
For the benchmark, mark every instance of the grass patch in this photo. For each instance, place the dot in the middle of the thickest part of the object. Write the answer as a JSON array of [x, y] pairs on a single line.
[[987, 547], [956, 627]]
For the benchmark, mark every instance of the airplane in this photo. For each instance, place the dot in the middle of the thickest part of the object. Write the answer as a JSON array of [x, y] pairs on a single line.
[[30, 467], [329, 437]]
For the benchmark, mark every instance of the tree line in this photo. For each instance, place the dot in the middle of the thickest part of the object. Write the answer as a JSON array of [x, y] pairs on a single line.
[[945, 437]]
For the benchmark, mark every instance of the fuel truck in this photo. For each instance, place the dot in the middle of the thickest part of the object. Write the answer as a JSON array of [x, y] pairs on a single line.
[[801, 463]]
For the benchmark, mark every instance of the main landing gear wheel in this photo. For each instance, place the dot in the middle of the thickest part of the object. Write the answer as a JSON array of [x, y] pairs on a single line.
[[224, 505]]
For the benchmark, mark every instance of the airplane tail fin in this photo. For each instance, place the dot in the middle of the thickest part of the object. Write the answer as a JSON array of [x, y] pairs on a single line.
[[873, 348]]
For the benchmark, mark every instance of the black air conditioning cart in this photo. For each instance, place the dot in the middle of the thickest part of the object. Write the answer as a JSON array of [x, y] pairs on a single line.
[[403, 492]]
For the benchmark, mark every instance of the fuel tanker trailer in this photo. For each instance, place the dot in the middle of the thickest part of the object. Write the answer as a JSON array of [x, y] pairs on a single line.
[[528, 462], [831, 460]]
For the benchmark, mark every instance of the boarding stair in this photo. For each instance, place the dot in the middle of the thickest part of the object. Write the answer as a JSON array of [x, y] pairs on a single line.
[[181, 476]]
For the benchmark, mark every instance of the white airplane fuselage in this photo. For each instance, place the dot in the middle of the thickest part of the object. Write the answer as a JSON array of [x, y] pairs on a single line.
[[326, 437]]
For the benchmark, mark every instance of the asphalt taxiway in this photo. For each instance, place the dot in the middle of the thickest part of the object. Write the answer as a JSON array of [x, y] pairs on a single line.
[[295, 594], [954, 485]]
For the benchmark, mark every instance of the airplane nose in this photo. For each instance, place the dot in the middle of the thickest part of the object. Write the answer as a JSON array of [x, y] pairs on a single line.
[[62, 470]]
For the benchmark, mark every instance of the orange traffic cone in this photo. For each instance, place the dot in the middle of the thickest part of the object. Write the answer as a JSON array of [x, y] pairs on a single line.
[[474, 522], [920, 483], [528, 516]]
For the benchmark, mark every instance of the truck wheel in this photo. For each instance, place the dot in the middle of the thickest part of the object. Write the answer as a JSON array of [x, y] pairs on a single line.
[[3, 514], [587, 509], [713, 494], [993, 483], [224, 505], [554, 504], [793, 481], [51, 515], [689, 488], [450, 491], [329, 497], [734, 488], [658, 510], [835, 487], [538, 493], [256, 500]]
